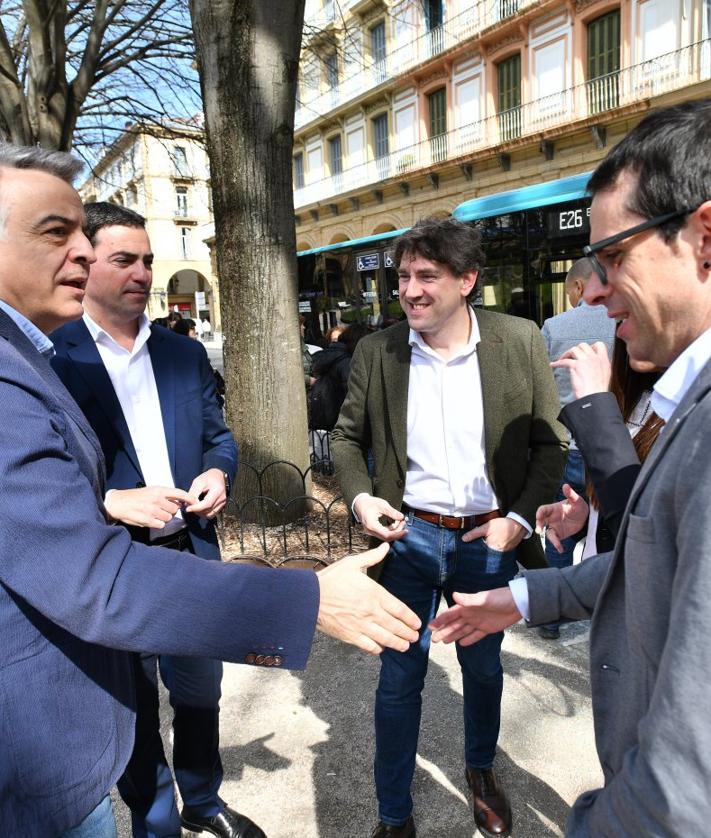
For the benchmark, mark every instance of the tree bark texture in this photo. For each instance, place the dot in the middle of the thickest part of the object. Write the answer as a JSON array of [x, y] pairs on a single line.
[[248, 53]]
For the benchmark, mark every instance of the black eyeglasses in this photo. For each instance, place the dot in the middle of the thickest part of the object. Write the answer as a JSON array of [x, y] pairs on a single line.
[[590, 250]]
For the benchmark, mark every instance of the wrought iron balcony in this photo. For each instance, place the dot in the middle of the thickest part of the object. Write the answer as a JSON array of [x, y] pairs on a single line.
[[663, 74], [316, 103]]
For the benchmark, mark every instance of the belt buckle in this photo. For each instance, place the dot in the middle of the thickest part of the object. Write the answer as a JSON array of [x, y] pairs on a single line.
[[440, 520]]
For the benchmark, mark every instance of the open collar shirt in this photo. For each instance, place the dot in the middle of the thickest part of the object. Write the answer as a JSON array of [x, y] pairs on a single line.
[[673, 385], [38, 339], [446, 455], [446, 461], [133, 380]]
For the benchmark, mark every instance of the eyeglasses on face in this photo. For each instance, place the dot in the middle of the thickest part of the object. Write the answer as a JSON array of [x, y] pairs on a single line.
[[591, 250]]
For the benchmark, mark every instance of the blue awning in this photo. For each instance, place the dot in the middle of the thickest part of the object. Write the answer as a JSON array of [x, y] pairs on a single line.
[[525, 197], [363, 242]]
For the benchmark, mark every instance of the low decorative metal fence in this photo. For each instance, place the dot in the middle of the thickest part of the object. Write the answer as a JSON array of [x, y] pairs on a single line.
[[320, 533]]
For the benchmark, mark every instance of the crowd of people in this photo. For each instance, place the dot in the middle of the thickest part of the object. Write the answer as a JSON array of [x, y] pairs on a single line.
[[459, 436]]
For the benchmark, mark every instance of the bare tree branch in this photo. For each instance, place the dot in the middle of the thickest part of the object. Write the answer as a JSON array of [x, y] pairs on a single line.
[[125, 59]]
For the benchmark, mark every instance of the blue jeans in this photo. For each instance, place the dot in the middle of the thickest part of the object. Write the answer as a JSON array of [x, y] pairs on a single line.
[[574, 474], [428, 562], [97, 824]]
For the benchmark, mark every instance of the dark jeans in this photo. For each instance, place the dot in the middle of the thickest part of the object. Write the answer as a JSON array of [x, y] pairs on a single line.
[[428, 562]]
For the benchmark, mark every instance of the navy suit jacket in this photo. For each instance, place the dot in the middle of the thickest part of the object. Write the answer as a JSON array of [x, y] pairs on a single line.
[[196, 435], [76, 595]]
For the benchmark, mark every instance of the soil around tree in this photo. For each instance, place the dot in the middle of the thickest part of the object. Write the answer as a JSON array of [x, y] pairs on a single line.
[[324, 535]]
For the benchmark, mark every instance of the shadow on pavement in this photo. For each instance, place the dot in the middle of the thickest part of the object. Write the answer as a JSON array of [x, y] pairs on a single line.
[[345, 802]]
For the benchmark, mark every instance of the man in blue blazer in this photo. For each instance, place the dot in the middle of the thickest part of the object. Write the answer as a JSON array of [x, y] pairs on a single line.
[[149, 396], [76, 593]]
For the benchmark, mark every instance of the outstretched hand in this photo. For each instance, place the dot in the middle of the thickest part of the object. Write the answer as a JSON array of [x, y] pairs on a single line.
[[355, 609], [474, 616], [562, 519]]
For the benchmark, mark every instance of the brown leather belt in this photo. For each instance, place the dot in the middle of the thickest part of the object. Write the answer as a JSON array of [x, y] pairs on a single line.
[[454, 522]]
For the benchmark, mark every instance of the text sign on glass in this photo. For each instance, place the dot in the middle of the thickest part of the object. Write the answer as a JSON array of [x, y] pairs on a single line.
[[569, 221]]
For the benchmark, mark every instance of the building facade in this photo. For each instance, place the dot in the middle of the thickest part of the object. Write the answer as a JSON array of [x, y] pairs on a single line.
[[409, 108], [166, 178]]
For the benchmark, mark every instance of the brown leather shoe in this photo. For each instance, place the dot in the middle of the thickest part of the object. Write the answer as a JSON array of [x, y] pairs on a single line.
[[492, 812], [384, 830]]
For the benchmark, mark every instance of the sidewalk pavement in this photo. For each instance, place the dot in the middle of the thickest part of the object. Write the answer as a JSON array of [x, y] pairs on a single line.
[[297, 747]]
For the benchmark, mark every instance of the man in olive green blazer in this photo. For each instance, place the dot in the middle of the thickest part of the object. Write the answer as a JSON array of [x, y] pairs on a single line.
[[459, 409]]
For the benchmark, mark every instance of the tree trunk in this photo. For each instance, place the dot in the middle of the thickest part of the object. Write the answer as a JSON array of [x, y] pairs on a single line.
[[248, 53]]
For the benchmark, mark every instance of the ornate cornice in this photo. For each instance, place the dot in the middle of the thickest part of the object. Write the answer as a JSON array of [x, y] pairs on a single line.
[[583, 4], [442, 73], [507, 40], [376, 104]]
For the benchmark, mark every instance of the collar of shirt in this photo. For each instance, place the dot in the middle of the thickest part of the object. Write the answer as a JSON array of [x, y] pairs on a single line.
[[417, 342], [39, 340], [446, 459], [100, 335], [674, 384]]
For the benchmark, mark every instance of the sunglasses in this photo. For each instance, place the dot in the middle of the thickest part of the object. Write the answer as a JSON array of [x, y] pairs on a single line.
[[590, 250]]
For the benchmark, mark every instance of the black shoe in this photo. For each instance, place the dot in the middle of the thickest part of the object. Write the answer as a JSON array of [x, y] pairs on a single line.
[[226, 824], [385, 830], [549, 632]]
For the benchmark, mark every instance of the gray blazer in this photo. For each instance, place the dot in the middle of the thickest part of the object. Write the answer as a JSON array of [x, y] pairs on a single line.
[[566, 330], [650, 641]]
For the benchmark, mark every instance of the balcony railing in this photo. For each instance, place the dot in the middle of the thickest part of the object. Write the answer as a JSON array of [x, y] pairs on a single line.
[[666, 73], [509, 124], [604, 93], [458, 29], [438, 148]]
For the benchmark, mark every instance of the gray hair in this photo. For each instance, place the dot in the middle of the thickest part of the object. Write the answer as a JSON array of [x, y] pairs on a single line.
[[57, 163]]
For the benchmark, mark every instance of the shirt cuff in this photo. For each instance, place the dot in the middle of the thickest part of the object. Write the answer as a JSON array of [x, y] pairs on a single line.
[[359, 495], [109, 519], [519, 592], [524, 523]]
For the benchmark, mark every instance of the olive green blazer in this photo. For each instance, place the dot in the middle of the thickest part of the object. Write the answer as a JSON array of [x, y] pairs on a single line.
[[525, 444]]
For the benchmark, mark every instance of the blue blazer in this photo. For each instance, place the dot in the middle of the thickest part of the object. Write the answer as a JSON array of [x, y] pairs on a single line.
[[195, 432], [76, 595]]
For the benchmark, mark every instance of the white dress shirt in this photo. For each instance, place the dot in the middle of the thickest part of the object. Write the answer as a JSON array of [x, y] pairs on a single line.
[[133, 380], [446, 458], [446, 454], [668, 393]]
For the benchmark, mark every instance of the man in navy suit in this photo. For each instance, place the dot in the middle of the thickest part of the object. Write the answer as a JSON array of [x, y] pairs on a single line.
[[76, 593], [149, 395]]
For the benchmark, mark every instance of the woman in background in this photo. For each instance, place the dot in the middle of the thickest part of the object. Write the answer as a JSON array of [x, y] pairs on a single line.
[[614, 430]]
